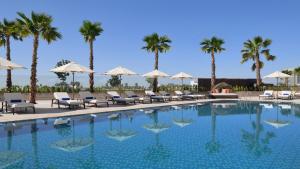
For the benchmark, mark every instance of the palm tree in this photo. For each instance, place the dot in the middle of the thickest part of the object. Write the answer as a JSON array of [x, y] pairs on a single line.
[[90, 31], [38, 25], [252, 50], [9, 29], [212, 46], [2, 36], [156, 44]]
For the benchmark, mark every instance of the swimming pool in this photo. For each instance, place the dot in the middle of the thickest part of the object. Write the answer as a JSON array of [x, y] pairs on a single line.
[[213, 135]]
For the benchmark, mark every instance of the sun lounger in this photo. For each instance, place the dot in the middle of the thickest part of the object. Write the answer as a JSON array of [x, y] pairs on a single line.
[[137, 98], [62, 98], [166, 94], [268, 94], [285, 95], [116, 98], [16, 101], [155, 97], [184, 96], [195, 96], [89, 99]]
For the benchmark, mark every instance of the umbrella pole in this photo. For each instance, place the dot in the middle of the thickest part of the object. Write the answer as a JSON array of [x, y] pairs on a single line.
[[182, 84], [73, 85], [277, 88]]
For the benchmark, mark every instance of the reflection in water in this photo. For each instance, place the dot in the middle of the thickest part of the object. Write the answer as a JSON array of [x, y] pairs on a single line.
[[73, 144], [213, 146], [182, 122], [10, 158], [119, 134], [157, 152], [253, 141], [276, 122]]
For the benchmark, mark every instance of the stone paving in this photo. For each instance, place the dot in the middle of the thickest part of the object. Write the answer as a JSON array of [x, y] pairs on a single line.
[[44, 109]]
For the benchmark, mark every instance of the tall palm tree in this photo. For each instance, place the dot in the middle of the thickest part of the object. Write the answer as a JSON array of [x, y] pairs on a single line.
[[212, 46], [156, 44], [2, 36], [90, 31], [38, 25], [252, 51], [9, 29]]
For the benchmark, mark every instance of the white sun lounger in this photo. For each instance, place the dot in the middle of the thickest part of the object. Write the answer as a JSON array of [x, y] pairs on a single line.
[[16, 101], [166, 94], [184, 96], [268, 94], [153, 96], [89, 98], [137, 98], [62, 98], [195, 96], [116, 98], [285, 95]]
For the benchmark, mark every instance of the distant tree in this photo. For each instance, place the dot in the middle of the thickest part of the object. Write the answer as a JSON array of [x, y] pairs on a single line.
[[252, 51], [156, 44], [62, 76], [114, 81], [90, 31], [150, 82], [212, 46]]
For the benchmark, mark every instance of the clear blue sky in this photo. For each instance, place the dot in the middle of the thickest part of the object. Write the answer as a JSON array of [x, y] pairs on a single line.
[[125, 23]]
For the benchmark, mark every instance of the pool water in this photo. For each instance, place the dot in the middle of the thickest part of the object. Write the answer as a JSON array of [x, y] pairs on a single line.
[[214, 135]]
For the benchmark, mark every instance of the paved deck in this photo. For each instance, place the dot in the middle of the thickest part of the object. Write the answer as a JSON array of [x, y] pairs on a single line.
[[44, 110]]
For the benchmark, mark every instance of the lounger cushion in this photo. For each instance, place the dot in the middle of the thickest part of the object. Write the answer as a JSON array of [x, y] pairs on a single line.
[[16, 101], [89, 98], [65, 98], [116, 97]]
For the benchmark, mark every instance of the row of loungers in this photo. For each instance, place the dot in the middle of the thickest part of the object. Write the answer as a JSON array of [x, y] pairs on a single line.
[[14, 101], [287, 95]]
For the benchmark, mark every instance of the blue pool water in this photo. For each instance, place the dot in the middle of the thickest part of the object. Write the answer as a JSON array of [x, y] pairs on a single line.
[[214, 135]]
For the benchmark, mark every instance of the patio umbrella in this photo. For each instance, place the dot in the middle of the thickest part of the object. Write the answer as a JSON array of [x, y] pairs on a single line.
[[181, 76], [73, 68], [156, 127], [120, 71], [155, 74], [6, 64]]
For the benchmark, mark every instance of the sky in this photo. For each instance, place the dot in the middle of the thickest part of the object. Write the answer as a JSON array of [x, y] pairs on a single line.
[[186, 23]]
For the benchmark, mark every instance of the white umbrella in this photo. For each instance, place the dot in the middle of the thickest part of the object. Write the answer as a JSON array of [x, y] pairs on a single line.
[[6, 64], [120, 71], [73, 68], [277, 123], [277, 75], [181, 76], [155, 74]]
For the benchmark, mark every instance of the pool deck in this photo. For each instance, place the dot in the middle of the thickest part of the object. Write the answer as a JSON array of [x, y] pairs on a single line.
[[44, 110]]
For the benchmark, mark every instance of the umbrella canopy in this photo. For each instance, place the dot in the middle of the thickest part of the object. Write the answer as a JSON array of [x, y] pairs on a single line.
[[73, 144], [223, 85], [181, 75], [72, 67], [277, 74], [157, 128], [277, 123], [182, 122], [155, 73], [6, 64], [120, 135], [119, 71]]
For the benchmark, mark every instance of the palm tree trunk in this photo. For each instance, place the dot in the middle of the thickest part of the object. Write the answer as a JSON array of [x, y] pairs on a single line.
[[8, 77], [155, 82], [257, 65], [213, 70], [33, 79], [91, 67]]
